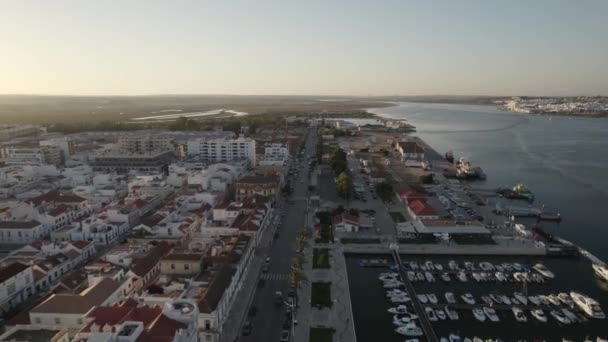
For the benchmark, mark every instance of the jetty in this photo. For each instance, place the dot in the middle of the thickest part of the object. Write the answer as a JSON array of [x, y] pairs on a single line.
[[425, 324]]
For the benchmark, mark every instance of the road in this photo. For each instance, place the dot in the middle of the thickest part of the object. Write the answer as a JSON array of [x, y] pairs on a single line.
[[267, 323]]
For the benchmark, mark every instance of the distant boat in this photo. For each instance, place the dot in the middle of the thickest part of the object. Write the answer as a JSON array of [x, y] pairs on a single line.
[[449, 156]]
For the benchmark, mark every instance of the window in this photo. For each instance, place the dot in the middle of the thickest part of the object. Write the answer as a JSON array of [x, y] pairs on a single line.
[[80, 321], [172, 266], [38, 320], [57, 320], [186, 266]]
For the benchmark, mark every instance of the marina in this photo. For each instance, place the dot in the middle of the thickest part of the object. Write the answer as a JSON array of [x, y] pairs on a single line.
[[552, 315]]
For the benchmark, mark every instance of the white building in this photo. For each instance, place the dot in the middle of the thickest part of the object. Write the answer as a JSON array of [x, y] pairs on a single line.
[[16, 284], [222, 150], [141, 142], [21, 232]]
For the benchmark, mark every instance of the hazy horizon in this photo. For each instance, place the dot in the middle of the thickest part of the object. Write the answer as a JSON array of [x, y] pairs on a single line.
[[273, 48]]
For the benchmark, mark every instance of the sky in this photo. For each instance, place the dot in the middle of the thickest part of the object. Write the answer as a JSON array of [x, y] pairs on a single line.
[[401, 47]]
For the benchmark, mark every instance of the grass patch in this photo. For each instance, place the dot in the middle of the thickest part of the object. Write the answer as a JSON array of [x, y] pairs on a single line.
[[473, 239], [418, 239], [320, 294], [320, 258], [397, 216], [321, 334], [360, 240]]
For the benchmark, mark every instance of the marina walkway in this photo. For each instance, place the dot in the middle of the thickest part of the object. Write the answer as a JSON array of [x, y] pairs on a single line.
[[425, 324]]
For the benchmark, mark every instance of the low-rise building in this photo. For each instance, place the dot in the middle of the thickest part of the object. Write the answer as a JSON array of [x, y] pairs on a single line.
[[180, 264], [21, 232], [16, 285]]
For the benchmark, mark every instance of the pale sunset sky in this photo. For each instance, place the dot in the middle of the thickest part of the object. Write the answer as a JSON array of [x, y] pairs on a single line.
[[402, 47]]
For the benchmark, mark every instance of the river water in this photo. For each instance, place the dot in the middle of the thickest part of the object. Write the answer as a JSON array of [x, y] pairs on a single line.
[[563, 160]]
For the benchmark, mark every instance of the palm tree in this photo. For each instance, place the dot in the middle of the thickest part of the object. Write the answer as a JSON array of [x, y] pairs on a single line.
[[296, 276], [301, 244], [299, 260]]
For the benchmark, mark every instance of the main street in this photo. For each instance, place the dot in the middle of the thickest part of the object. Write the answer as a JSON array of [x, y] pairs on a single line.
[[268, 321]]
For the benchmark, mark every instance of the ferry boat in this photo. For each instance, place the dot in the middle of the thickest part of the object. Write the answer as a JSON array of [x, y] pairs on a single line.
[[544, 271], [601, 271], [519, 191], [590, 306]]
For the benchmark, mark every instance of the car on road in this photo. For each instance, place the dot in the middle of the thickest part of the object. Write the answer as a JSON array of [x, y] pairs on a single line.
[[247, 327], [285, 335]]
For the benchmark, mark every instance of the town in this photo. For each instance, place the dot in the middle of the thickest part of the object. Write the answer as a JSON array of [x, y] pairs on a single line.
[[248, 235], [581, 105]]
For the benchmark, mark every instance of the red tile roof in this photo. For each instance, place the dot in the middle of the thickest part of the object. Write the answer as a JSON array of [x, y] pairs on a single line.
[[56, 197], [346, 218], [11, 270], [421, 208], [411, 195]]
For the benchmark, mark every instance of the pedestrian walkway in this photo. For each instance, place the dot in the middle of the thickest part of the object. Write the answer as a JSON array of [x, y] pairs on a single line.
[[339, 316], [275, 276]]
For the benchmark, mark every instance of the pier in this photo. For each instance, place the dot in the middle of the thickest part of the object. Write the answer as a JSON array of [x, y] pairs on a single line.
[[425, 324]]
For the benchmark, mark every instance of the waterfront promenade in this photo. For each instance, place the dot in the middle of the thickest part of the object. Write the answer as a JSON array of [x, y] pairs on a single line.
[[502, 247]]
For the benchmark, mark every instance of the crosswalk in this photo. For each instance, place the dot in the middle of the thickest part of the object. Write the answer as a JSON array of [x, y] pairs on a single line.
[[274, 276]]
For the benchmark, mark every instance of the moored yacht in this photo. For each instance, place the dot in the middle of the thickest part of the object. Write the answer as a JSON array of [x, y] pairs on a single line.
[[410, 329], [453, 265], [401, 309], [491, 313], [487, 300], [553, 299], [430, 313], [452, 314], [534, 300], [559, 316], [429, 277], [571, 316], [449, 297], [565, 298], [462, 277], [521, 297], [439, 267], [429, 265], [432, 298], [468, 298], [422, 298], [539, 315], [454, 338], [601, 271], [590, 306], [479, 315], [445, 277], [440, 314], [544, 271], [519, 314]]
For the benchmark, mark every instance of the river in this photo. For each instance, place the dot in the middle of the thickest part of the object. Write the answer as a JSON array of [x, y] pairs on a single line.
[[563, 160]]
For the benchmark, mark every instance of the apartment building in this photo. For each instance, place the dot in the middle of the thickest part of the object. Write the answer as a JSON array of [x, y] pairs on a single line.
[[222, 149]]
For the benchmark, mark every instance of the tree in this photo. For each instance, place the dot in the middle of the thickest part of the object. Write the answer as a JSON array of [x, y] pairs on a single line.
[[344, 185], [426, 179], [384, 190], [338, 161], [296, 276]]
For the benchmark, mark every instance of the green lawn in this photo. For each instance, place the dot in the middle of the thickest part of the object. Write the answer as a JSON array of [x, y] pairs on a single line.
[[397, 216], [320, 294], [320, 258], [321, 335]]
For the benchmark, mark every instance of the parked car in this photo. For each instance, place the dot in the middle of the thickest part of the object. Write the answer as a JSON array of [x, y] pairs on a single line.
[[285, 335], [247, 327]]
